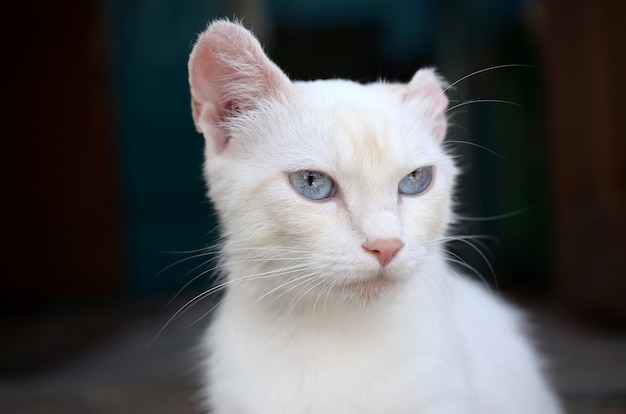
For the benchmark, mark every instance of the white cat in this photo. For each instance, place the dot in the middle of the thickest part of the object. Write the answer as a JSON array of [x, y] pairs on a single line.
[[334, 200]]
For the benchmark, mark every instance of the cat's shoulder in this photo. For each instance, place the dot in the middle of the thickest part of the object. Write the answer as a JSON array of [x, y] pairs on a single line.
[[482, 304]]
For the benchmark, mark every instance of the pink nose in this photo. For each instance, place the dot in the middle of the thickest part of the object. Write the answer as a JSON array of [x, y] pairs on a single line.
[[383, 249]]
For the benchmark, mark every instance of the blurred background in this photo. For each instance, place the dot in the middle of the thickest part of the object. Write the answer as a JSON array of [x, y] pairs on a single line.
[[105, 201]]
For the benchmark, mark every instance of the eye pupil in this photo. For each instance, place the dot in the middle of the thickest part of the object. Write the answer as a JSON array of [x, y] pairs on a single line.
[[310, 178]]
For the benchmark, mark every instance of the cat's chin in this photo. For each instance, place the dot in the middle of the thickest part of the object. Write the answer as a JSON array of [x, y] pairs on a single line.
[[372, 289]]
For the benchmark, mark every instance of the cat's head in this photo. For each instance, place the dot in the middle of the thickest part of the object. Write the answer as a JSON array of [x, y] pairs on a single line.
[[325, 187]]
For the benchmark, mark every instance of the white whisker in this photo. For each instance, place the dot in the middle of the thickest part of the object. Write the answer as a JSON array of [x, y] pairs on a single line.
[[326, 287], [198, 276], [185, 307], [446, 239], [302, 279], [478, 146], [496, 217], [186, 259], [474, 101], [180, 311], [207, 313], [314, 282], [458, 260], [511, 65], [482, 255]]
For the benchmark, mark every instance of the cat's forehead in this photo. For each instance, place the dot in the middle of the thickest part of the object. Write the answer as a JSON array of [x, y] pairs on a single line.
[[336, 92], [363, 125]]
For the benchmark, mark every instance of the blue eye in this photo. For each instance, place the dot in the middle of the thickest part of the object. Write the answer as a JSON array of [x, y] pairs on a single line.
[[312, 185], [417, 181]]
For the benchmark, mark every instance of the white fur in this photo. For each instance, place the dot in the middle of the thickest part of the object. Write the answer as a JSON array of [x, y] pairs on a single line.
[[310, 322]]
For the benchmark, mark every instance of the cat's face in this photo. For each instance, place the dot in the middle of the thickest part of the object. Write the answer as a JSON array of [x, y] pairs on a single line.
[[323, 188]]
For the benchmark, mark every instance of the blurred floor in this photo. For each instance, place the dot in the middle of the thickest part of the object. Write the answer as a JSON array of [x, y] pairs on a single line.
[[116, 372], [121, 372], [587, 364]]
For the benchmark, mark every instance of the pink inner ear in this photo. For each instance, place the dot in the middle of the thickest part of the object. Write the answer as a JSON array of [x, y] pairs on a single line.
[[207, 77], [439, 99], [228, 70], [428, 86], [207, 118]]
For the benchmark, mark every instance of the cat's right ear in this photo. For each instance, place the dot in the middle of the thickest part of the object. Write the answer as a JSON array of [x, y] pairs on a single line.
[[427, 90], [228, 74]]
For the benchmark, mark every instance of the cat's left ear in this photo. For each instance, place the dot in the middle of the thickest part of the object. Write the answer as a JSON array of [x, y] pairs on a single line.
[[426, 89]]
